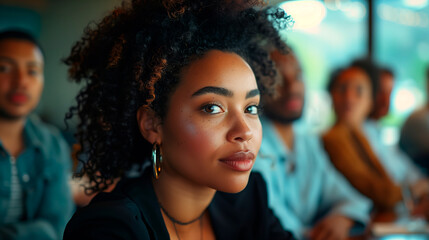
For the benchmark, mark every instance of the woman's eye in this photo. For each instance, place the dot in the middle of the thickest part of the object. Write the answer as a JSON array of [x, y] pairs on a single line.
[[212, 109], [360, 90], [4, 69], [33, 72], [254, 109]]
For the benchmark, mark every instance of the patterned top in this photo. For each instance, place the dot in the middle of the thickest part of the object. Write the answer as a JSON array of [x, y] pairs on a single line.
[[15, 211]]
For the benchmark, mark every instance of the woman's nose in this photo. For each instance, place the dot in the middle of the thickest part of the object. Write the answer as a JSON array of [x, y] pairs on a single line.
[[240, 130]]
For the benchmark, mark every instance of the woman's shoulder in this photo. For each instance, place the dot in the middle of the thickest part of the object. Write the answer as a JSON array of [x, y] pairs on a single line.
[[108, 216], [337, 130], [130, 211]]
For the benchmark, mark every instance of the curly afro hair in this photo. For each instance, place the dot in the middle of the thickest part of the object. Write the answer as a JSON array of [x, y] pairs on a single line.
[[133, 58]]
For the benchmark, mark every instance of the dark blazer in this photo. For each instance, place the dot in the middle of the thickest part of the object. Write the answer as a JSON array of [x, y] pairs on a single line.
[[132, 211]]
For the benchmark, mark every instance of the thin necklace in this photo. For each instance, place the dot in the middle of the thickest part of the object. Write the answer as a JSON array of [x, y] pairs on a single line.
[[174, 221]]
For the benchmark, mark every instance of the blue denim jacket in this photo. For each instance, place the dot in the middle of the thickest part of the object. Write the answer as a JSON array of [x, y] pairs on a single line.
[[43, 170]]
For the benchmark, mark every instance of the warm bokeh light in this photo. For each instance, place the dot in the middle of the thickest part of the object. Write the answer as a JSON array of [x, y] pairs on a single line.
[[354, 10], [306, 14], [416, 3], [406, 98]]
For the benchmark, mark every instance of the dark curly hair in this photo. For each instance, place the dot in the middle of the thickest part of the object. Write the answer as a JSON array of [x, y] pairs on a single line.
[[368, 66], [373, 70], [20, 35], [134, 58]]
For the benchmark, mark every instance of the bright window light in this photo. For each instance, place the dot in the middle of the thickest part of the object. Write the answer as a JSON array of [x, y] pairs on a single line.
[[306, 14], [416, 3], [406, 99]]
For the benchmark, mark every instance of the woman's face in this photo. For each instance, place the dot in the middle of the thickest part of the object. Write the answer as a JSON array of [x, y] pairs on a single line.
[[352, 96], [211, 133]]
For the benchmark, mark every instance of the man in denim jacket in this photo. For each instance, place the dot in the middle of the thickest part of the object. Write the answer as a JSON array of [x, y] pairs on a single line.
[[35, 199]]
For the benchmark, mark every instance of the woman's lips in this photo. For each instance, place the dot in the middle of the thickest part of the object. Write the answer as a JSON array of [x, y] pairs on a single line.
[[240, 161], [18, 98]]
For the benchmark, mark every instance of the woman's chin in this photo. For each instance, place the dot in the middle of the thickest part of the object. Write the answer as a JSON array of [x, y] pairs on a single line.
[[235, 184]]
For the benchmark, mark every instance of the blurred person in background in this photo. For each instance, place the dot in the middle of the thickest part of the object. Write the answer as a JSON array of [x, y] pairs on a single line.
[[382, 96], [370, 168], [382, 79], [305, 191], [35, 198], [414, 138]]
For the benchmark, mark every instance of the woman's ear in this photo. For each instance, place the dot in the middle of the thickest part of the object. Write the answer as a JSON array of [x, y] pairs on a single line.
[[149, 125]]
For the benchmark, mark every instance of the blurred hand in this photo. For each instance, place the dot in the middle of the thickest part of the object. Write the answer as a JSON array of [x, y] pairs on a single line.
[[333, 227], [420, 188], [421, 209]]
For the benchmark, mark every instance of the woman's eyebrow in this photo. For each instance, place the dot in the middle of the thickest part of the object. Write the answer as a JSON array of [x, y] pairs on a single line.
[[224, 92], [34, 64], [252, 93], [7, 59], [216, 90]]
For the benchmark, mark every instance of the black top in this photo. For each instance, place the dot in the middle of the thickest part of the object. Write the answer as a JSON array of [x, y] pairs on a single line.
[[132, 211]]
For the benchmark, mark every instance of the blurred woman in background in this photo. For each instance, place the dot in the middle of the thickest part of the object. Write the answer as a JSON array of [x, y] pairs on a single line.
[[371, 170]]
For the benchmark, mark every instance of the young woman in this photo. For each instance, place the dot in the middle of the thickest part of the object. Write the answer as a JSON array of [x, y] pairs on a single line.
[[380, 173], [174, 86]]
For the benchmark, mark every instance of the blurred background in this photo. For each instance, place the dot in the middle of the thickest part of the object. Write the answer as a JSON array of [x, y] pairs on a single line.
[[329, 34], [326, 35]]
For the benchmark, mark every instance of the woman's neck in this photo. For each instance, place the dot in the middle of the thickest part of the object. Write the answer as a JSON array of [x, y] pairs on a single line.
[[180, 197], [183, 201]]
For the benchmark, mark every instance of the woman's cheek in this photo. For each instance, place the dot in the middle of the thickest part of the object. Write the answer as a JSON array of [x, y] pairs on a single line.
[[191, 129], [199, 136]]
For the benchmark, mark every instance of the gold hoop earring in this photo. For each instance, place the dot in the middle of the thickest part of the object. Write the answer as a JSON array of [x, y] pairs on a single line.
[[156, 160]]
